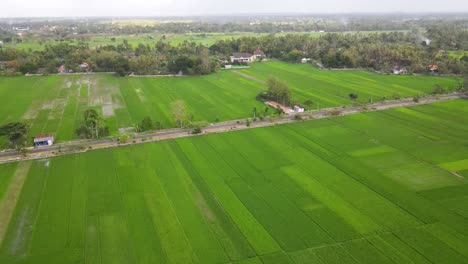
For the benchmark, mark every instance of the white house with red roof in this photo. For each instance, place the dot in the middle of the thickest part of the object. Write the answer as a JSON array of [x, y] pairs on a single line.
[[247, 57], [242, 58]]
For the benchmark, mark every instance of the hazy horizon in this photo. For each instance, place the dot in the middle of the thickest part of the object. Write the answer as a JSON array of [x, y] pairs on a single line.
[[146, 8]]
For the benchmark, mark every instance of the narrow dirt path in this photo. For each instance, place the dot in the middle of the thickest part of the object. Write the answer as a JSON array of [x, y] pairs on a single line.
[[250, 77], [8, 204]]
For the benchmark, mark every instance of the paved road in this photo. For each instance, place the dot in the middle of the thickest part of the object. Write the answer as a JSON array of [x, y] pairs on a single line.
[[36, 153]]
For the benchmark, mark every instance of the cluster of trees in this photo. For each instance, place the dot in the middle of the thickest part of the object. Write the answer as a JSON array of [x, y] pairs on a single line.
[[122, 58], [414, 50], [278, 91], [16, 133], [379, 51], [93, 126]]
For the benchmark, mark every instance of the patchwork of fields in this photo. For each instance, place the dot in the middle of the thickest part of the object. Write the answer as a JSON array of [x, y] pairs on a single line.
[[54, 104], [381, 187]]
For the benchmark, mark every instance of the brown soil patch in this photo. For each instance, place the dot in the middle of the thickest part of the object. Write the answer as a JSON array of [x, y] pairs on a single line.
[[250, 77]]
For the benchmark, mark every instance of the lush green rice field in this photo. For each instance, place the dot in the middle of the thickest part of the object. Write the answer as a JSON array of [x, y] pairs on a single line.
[[331, 88], [367, 188], [54, 104]]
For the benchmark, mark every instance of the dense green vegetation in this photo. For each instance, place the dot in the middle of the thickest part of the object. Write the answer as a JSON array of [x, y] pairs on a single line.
[[55, 104], [370, 188], [412, 51]]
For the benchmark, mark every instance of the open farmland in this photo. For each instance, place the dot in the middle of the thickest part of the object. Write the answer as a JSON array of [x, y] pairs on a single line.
[[381, 187], [331, 88], [54, 104]]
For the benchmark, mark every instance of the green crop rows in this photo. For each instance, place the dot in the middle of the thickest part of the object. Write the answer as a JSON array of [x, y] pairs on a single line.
[[328, 88], [378, 187], [54, 104]]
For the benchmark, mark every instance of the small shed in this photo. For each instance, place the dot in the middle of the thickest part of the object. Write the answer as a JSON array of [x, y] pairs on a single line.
[[399, 70], [44, 140], [62, 69], [84, 65], [299, 109], [305, 60], [434, 68]]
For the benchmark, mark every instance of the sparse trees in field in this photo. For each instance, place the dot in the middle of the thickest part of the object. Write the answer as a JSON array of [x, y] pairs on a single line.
[[93, 126], [145, 125], [123, 139], [196, 130], [308, 104], [396, 96], [438, 89], [180, 114], [353, 96], [464, 87], [16, 133], [279, 91]]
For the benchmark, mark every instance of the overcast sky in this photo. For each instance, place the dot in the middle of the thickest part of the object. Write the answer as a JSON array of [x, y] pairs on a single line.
[[61, 8]]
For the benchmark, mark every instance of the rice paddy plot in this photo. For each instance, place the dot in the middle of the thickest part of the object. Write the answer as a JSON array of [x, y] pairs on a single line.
[[353, 189], [54, 104]]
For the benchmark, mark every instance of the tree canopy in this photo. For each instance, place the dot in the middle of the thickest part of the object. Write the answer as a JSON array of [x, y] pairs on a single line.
[[93, 126], [278, 91], [180, 114], [16, 133]]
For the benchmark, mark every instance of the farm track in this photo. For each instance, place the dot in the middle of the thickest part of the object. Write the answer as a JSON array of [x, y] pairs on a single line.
[[234, 125], [250, 77]]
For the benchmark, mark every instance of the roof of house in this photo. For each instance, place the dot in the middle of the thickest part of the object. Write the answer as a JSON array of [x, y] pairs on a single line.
[[298, 106], [43, 137], [84, 64], [434, 66], [242, 55], [259, 52]]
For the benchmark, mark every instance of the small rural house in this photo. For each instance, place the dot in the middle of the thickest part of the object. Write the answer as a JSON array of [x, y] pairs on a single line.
[[258, 54], [242, 58], [305, 60], [299, 109], [62, 69], [84, 66], [44, 140], [434, 68], [399, 71]]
